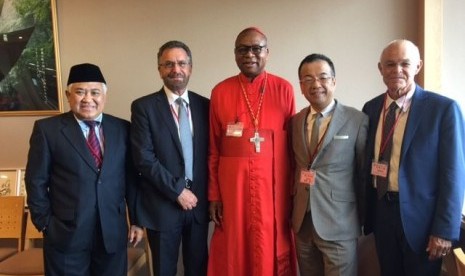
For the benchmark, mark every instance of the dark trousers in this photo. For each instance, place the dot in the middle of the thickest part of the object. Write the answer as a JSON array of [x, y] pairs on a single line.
[[395, 256], [88, 262], [165, 247]]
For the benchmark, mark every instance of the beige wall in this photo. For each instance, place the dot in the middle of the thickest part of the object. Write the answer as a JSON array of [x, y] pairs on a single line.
[[123, 37], [454, 57]]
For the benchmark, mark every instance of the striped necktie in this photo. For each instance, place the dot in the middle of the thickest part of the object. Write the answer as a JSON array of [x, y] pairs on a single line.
[[382, 183], [93, 143]]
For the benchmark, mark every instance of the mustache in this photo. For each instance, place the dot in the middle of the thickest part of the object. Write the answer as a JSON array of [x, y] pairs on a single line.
[[176, 75]]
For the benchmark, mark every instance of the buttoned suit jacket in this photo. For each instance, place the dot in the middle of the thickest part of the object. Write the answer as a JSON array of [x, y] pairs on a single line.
[[157, 154], [68, 195], [431, 170], [338, 188]]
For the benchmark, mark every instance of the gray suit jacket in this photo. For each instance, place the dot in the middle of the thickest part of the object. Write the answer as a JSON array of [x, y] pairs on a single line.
[[338, 188]]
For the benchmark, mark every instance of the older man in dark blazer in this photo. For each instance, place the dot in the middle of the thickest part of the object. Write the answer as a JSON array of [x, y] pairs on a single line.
[[173, 200], [79, 180], [415, 192]]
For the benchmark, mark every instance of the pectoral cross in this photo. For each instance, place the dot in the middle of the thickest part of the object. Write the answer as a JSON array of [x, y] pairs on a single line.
[[256, 139]]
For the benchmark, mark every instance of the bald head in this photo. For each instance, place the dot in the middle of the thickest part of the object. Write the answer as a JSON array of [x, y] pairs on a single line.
[[399, 64], [407, 45]]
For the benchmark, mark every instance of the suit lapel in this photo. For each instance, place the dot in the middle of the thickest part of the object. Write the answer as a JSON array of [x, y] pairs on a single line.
[[194, 108], [337, 121], [73, 133], [416, 113], [302, 131], [162, 106], [110, 140]]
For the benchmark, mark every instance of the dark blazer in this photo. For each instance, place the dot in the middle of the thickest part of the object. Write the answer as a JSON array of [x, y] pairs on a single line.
[[68, 194], [158, 157], [431, 170]]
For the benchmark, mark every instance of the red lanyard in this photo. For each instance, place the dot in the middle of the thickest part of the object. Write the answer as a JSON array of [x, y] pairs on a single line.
[[176, 114]]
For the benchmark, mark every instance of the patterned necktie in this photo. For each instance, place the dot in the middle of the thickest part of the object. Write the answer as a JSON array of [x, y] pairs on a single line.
[[389, 121], [185, 136], [93, 143]]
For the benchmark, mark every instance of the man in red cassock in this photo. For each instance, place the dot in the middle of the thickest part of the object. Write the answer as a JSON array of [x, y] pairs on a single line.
[[250, 176]]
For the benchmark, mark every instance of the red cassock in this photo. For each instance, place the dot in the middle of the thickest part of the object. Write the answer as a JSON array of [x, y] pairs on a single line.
[[255, 187]]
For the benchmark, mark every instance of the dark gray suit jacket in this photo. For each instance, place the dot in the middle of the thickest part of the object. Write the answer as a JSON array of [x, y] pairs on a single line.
[[158, 157], [66, 191]]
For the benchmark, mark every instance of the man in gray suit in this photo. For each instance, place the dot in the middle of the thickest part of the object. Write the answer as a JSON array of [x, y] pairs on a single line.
[[328, 141]]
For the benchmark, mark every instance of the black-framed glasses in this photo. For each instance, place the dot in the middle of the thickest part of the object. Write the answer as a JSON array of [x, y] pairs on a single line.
[[244, 50], [171, 64], [322, 79]]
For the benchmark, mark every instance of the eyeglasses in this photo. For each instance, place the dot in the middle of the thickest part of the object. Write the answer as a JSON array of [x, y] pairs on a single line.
[[244, 50], [171, 64], [322, 80]]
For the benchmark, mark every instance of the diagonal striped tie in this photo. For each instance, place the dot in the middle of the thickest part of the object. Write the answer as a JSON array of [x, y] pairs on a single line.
[[389, 121], [93, 143]]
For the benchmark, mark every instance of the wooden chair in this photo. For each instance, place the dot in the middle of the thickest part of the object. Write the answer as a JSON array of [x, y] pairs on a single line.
[[136, 260], [459, 261], [11, 225], [139, 258], [29, 262]]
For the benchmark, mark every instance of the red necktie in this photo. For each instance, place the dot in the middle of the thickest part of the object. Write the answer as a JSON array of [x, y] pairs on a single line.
[[93, 143]]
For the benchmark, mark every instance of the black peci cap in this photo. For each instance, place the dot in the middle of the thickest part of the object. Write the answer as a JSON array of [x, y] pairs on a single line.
[[85, 72]]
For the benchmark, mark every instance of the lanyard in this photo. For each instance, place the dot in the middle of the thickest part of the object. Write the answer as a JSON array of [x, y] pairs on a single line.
[[390, 135], [175, 114], [315, 152]]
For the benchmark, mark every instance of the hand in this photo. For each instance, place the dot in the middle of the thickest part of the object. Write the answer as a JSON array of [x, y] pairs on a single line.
[[135, 235], [438, 248], [216, 212], [187, 199]]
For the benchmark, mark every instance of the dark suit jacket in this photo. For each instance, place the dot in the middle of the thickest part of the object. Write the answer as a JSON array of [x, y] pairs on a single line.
[[67, 193], [158, 157], [431, 170]]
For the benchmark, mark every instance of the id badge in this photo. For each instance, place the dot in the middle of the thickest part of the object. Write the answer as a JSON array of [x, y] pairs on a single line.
[[307, 177], [379, 168], [235, 129]]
